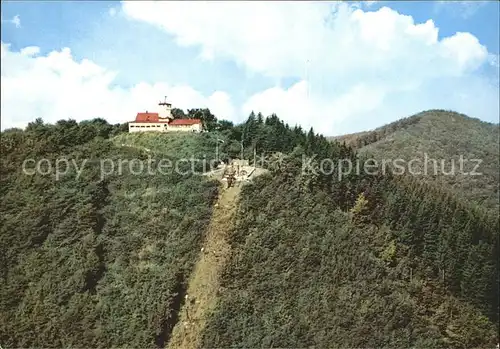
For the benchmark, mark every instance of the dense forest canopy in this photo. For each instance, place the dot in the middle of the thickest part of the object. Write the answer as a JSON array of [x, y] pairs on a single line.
[[445, 137], [358, 260]]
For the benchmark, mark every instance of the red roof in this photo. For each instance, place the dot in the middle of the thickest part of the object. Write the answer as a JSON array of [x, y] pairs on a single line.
[[153, 117], [182, 122], [147, 117]]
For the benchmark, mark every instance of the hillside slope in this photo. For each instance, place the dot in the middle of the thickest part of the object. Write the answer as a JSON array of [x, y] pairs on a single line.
[[311, 266], [445, 137], [92, 261], [204, 284], [96, 250], [362, 261]]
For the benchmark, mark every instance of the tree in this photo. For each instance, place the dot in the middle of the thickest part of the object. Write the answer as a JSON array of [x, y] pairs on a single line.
[[224, 125], [99, 126], [37, 124], [207, 118], [477, 274], [310, 141], [179, 113], [360, 208], [260, 119], [389, 253], [250, 130], [119, 128]]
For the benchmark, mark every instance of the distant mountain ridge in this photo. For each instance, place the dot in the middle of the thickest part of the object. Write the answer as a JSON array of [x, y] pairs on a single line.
[[445, 136]]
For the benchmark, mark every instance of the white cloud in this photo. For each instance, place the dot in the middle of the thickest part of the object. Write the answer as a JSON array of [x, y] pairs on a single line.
[[278, 38], [300, 107], [355, 68], [16, 20], [351, 62], [56, 87], [220, 104], [364, 106], [30, 51]]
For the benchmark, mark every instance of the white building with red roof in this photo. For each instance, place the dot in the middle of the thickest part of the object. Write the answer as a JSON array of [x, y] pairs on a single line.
[[163, 121]]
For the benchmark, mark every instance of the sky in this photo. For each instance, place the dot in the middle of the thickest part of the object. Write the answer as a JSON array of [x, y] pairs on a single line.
[[339, 67]]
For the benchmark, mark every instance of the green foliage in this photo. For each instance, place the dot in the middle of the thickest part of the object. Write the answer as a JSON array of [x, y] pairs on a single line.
[[179, 113], [176, 144], [225, 125], [207, 118], [389, 253], [360, 208], [431, 231], [302, 275], [103, 262], [445, 137], [456, 240], [92, 262]]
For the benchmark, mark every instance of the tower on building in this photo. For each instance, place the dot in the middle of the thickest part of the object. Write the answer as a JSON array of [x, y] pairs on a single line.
[[165, 111]]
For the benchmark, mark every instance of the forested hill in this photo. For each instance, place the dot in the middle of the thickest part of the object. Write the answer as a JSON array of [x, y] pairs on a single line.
[[443, 136], [91, 260], [97, 255], [365, 261], [317, 259]]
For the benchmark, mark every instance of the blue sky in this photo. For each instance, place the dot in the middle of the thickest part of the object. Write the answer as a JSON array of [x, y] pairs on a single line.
[[338, 67]]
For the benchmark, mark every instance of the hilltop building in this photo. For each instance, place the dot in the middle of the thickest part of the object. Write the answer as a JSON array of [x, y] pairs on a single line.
[[163, 121]]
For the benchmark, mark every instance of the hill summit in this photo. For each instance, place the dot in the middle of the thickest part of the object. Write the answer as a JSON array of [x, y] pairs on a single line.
[[466, 151]]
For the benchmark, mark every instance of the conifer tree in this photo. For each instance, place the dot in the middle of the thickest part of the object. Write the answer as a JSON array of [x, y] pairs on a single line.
[[360, 209]]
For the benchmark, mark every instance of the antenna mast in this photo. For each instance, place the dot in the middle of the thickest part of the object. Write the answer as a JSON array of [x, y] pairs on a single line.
[[164, 102]]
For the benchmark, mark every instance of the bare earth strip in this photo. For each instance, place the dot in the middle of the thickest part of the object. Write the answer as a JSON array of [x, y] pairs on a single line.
[[203, 285]]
